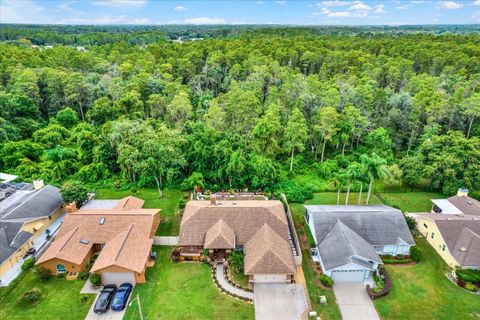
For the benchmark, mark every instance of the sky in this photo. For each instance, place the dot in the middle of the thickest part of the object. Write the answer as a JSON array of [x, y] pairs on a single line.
[[296, 12]]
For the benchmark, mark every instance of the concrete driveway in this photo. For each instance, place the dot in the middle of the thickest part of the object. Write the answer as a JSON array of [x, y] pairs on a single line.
[[354, 302], [279, 301], [109, 315]]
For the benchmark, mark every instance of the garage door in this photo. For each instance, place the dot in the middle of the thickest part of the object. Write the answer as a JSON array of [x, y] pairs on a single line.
[[348, 275], [118, 277], [269, 278]]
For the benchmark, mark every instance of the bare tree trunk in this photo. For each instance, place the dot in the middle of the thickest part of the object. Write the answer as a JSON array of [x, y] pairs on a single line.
[[81, 112], [159, 187], [348, 192], [360, 193], [291, 160], [323, 149], [343, 149], [369, 191], [470, 126], [338, 194]]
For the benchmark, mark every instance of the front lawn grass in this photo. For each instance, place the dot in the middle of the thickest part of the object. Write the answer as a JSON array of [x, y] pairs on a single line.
[[410, 201], [184, 291], [170, 217], [238, 278], [61, 299], [423, 292]]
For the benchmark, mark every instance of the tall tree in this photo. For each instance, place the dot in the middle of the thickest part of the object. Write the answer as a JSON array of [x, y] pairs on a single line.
[[327, 126], [295, 133], [376, 169]]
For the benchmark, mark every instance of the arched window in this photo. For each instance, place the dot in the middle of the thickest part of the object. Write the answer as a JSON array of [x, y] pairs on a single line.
[[60, 268]]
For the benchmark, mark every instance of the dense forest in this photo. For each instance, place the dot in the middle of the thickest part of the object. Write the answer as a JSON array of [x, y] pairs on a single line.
[[292, 109]]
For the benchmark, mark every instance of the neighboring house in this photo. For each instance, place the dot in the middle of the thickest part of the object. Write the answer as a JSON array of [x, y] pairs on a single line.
[[458, 204], [349, 239], [260, 228], [24, 216], [120, 232], [456, 238]]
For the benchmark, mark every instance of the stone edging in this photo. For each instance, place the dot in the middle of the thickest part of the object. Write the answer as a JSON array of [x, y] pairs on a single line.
[[225, 291], [236, 285]]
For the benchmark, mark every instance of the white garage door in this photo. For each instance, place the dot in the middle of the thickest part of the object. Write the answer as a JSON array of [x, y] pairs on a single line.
[[118, 277], [348, 275], [269, 278]]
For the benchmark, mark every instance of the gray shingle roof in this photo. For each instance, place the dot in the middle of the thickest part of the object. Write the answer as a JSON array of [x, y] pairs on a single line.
[[32, 205], [377, 224], [342, 246], [467, 205]]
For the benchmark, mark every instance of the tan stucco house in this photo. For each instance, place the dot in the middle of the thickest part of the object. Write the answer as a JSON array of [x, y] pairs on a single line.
[[120, 232], [24, 217]]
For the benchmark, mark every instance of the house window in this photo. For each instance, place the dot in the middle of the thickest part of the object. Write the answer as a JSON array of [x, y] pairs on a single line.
[[432, 235], [379, 248], [425, 225], [60, 268], [307, 216], [443, 248]]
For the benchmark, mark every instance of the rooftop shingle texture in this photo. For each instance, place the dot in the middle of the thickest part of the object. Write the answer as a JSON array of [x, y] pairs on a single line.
[[462, 237], [267, 252], [342, 246], [245, 218], [467, 205], [122, 248], [220, 236], [378, 224], [22, 207], [130, 203]]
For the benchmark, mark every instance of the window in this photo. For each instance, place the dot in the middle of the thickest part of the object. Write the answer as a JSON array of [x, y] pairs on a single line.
[[379, 248], [432, 235], [425, 225], [443, 248], [60, 268], [307, 216]]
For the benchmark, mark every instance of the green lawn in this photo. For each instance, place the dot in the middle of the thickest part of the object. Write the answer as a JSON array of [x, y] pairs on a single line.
[[170, 218], [61, 300], [410, 201], [423, 292], [184, 291], [238, 278]]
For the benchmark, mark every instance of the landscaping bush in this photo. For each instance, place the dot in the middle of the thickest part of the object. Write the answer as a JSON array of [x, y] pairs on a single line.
[[387, 256], [400, 256], [182, 203], [412, 224], [416, 254], [379, 283], [326, 280], [461, 283], [83, 299], [468, 275], [470, 287], [236, 261], [396, 261], [95, 279], [28, 264], [175, 256], [294, 192], [83, 275], [31, 296], [42, 273]]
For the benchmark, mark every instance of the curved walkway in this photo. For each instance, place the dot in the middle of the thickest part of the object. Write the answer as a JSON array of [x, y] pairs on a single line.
[[228, 287]]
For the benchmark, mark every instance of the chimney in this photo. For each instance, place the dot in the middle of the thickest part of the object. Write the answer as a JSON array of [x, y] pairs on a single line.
[[71, 207], [38, 184], [213, 199], [462, 192]]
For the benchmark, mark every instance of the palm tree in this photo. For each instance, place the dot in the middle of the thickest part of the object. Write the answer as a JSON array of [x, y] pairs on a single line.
[[354, 172], [376, 169], [338, 180], [194, 181], [62, 160]]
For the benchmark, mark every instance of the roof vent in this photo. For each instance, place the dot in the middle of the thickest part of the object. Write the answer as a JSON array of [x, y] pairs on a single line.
[[463, 249], [449, 219], [469, 202], [102, 220], [84, 241]]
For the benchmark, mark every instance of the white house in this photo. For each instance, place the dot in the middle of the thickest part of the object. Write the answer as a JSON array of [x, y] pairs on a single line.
[[349, 239]]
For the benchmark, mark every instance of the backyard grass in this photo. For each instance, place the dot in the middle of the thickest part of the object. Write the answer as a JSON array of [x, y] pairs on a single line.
[[170, 217], [61, 299], [423, 292], [184, 291], [410, 201]]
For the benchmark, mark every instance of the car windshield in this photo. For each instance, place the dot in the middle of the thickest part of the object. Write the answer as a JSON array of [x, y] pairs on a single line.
[[102, 300], [118, 300]]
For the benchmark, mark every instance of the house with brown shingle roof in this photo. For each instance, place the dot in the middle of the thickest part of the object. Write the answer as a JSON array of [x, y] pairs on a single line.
[[258, 227], [119, 233]]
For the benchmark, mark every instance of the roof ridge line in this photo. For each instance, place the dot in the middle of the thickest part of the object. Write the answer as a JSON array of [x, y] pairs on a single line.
[[123, 242], [70, 237]]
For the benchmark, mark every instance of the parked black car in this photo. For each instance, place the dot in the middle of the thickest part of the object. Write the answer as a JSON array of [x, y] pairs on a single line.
[[121, 296], [105, 298]]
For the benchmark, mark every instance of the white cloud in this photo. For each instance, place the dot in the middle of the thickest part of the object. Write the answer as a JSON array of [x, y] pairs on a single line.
[[139, 21], [450, 5], [476, 16], [65, 6], [260, 2], [205, 20], [339, 14], [476, 3], [360, 6], [282, 2], [334, 3], [120, 3], [379, 8], [180, 8], [401, 7], [102, 20], [417, 1], [26, 11]]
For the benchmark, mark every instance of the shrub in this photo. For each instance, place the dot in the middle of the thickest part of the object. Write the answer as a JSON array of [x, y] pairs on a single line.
[[400, 256], [83, 299], [95, 279], [326, 280], [461, 283], [468, 275], [175, 256], [83, 275], [416, 254], [42, 273], [295, 192], [470, 287], [31, 296], [28, 264], [379, 283], [74, 192], [236, 261], [412, 224], [182, 203], [388, 256]]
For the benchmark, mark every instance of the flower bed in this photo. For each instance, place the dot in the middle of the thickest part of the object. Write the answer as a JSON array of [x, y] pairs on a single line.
[[387, 286], [398, 259]]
